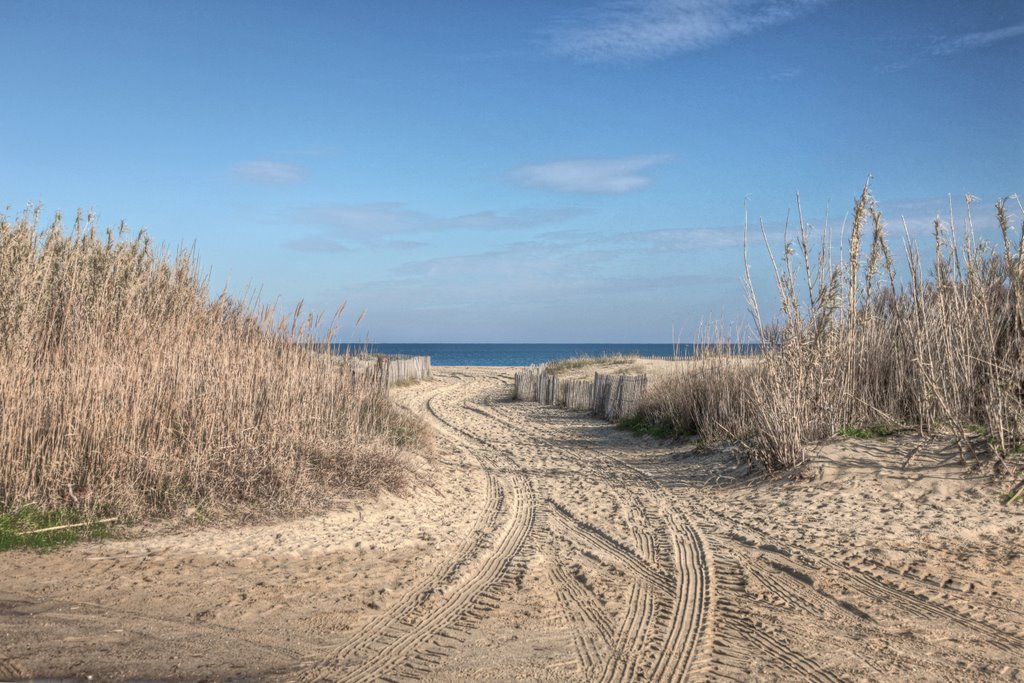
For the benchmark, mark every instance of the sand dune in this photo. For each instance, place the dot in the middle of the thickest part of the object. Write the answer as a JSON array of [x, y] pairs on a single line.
[[545, 545]]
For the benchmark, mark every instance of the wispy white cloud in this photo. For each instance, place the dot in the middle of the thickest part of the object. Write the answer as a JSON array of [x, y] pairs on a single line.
[[269, 172], [360, 220], [388, 224], [318, 151], [589, 175], [536, 287], [920, 216], [660, 241], [404, 244], [644, 29], [971, 41], [950, 45], [555, 273], [786, 74], [392, 218], [692, 239], [317, 245]]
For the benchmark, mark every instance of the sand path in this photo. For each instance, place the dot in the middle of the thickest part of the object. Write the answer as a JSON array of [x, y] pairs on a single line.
[[545, 545]]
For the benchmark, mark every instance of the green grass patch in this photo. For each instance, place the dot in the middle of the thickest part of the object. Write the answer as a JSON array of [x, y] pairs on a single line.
[[869, 432], [641, 426], [13, 526]]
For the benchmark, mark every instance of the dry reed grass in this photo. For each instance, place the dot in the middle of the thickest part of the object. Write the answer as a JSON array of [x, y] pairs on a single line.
[[125, 386], [708, 396], [854, 346], [626, 363]]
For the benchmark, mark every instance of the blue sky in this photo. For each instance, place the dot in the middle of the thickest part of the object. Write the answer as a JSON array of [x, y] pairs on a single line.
[[523, 172]]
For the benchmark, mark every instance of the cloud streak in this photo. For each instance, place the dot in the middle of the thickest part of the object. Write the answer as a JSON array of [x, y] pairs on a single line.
[[639, 29], [539, 288], [316, 245], [972, 41], [392, 218], [389, 224], [947, 46], [596, 176], [269, 172]]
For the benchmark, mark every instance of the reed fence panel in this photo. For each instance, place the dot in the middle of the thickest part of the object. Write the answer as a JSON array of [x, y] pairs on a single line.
[[578, 394], [526, 383], [618, 396], [389, 371], [612, 397]]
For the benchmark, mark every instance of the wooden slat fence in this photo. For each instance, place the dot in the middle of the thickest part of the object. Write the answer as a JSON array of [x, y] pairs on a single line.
[[526, 383], [618, 396], [577, 394], [611, 397], [389, 371], [408, 369]]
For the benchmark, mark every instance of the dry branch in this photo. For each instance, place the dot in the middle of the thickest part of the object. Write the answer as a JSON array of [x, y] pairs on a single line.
[[108, 520]]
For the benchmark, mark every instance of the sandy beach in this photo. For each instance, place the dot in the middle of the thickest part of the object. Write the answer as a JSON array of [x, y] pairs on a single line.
[[540, 544]]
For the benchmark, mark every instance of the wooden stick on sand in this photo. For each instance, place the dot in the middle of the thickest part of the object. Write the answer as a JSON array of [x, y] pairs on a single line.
[[66, 526]]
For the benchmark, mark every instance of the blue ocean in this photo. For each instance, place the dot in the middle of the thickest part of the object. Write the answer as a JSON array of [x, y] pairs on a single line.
[[525, 354]]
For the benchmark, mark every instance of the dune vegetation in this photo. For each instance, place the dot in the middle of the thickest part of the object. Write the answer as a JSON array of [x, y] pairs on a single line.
[[126, 388], [618, 362], [858, 348]]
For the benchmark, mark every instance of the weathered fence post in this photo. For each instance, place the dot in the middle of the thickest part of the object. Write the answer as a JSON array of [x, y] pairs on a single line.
[[611, 397], [388, 371]]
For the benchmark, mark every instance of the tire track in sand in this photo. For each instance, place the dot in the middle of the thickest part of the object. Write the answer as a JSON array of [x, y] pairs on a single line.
[[720, 660], [875, 587], [845, 604], [664, 578], [9, 670], [660, 632], [414, 635]]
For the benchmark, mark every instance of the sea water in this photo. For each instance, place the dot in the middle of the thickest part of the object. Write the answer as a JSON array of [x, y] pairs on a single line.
[[522, 354]]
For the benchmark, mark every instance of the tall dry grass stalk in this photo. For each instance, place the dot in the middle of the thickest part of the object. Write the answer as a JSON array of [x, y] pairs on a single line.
[[706, 395], [855, 346], [124, 385]]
